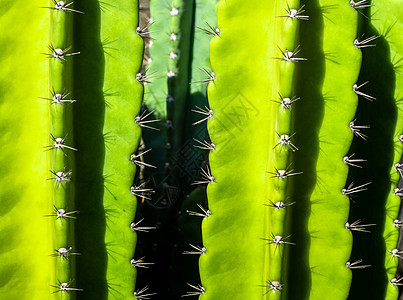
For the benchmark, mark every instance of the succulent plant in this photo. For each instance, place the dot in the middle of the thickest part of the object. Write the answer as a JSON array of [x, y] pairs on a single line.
[[201, 149]]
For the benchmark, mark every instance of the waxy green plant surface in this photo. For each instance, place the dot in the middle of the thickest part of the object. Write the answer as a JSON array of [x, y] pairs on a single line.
[[205, 149]]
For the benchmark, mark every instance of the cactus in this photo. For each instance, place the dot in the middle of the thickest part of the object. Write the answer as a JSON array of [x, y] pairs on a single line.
[[112, 200], [339, 122], [125, 129], [60, 56], [391, 89], [266, 175], [255, 153]]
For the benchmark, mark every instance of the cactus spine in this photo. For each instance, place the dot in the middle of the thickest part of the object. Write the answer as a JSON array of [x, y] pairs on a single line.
[[124, 128], [169, 43], [330, 204], [235, 97], [26, 269], [322, 77], [280, 161], [61, 148]]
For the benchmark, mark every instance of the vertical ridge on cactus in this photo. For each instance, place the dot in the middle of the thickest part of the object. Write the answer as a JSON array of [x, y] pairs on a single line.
[[387, 21], [105, 80], [240, 98], [342, 65], [287, 41], [156, 93], [117, 24], [265, 161], [180, 26], [88, 116]]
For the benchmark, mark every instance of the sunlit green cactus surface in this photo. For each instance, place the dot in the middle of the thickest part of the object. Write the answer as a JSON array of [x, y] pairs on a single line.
[[201, 149]]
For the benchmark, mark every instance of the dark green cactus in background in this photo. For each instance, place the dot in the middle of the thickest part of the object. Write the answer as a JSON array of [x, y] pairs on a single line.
[[201, 149]]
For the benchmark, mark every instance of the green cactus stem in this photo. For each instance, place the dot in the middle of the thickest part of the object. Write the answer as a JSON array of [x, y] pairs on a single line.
[[196, 138], [240, 98], [170, 67], [205, 28], [106, 80], [156, 93], [263, 163], [88, 115], [60, 56], [178, 71], [387, 21], [280, 163]]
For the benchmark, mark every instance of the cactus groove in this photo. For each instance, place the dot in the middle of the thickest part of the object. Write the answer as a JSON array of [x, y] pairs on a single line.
[[390, 30], [328, 202]]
